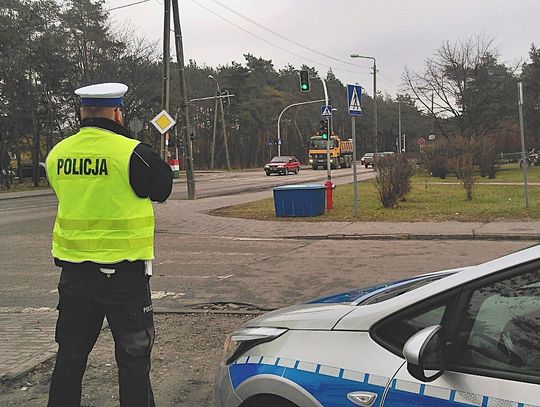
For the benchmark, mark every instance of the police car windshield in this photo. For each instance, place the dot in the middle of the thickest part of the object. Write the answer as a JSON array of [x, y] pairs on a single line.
[[381, 292], [394, 291]]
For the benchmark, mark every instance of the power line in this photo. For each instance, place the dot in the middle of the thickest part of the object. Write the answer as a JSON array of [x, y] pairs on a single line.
[[269, 42], [127, 5], [282, 36]]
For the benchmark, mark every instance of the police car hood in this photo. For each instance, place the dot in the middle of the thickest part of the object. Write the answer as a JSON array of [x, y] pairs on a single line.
[[304, 316]]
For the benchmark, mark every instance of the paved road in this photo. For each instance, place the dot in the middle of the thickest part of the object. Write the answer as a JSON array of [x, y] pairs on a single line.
[[28, 272], [228, 183], [203, 258]]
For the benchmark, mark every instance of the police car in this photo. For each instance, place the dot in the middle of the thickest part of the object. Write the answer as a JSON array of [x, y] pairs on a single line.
[[462, 337]]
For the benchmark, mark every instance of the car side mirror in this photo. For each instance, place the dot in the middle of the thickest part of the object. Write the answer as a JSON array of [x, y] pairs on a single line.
[[424, 353]]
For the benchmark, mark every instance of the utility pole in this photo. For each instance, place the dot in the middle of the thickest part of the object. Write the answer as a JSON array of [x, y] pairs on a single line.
[[214, 129], [525, 162], [224, 130], [184, 101], [375, 128], [399, 127], [165, 93]]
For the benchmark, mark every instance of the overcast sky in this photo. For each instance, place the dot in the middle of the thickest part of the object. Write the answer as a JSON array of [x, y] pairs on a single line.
[[398, 33]]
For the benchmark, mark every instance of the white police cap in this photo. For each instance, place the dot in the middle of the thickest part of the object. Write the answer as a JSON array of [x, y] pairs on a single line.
[[102, 94]]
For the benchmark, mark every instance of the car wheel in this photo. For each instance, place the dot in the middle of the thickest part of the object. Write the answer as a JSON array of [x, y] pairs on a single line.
[[268, 174], [297, 171], [267, 400], [365, 165], [315, 167]]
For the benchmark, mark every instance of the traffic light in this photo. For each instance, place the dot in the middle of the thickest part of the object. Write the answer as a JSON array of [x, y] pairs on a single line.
[[304, 81], [324, 129]]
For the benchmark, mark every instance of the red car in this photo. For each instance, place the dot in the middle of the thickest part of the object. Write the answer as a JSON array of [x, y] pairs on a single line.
[[284, 164]]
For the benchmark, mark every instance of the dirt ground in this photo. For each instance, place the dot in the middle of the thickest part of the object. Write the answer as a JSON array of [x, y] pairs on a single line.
[[187, 351]]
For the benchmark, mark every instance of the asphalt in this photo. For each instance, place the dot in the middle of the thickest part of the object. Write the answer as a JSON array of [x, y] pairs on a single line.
[[28, 335]]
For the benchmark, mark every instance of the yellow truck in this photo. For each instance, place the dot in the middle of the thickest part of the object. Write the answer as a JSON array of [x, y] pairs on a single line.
[[340, 152]]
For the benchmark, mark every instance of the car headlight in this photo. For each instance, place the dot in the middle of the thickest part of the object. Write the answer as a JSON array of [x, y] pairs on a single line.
[[266, 166], [311, 160], [239, 342], [331, 160]]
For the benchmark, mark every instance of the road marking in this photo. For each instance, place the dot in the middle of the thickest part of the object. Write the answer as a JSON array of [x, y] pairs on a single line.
[[158, 295], [182, 276], [26, 310], [224, 277], [254, 239]]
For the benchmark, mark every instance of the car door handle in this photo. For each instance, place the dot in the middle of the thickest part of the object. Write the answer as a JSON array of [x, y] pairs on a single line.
[[362, 398]]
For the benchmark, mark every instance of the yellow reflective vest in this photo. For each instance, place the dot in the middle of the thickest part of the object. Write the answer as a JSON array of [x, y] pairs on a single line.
[[100, 218]]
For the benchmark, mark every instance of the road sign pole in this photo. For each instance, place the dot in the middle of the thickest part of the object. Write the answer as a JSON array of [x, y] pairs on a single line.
[[354, 101], [165, 94], [355, 176]]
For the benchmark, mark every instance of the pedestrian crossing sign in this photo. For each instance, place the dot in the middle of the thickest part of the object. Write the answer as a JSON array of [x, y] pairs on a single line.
[[326, 110], [354, 100], [163, 122]]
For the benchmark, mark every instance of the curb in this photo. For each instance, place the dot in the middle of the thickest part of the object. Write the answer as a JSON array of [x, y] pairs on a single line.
[[410, 236], [25, 194], [185, 310]]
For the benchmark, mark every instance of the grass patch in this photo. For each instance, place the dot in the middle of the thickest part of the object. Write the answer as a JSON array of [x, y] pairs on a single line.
[[506, 173], [430, 199]]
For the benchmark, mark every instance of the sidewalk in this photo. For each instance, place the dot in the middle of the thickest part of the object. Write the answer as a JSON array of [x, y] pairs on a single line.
[[28, 337]]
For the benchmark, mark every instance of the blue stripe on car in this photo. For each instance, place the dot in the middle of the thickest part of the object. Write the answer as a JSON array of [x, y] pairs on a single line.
[[331, 389], [328, 390]]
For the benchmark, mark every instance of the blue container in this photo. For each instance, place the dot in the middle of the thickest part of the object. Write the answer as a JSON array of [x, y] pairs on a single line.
[[299, 200]]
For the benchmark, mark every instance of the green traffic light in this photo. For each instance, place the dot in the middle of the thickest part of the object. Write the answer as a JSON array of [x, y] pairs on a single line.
[[325, 136], [304, 86]]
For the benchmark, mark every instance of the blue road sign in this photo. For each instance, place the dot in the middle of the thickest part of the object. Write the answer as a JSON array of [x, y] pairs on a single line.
[[326, 111], [354, 100]]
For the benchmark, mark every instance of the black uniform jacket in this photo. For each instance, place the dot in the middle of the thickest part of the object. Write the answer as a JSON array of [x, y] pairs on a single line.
[[149, 176]]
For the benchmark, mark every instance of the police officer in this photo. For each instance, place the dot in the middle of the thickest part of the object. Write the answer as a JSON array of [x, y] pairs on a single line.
[[103, 239]]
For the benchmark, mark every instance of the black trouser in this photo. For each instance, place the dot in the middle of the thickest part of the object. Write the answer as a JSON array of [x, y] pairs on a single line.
[[86, 296]]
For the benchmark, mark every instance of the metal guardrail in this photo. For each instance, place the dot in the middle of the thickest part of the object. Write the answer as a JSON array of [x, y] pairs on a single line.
[[504, 158]]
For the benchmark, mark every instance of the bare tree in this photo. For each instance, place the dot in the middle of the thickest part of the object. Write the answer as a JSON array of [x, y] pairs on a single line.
[[463, 88]]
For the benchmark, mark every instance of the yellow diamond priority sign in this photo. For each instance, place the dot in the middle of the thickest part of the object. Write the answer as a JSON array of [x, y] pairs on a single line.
[[163, 121]]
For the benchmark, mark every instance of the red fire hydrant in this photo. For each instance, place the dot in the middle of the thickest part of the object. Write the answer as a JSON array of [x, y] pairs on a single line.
[[329, 187]]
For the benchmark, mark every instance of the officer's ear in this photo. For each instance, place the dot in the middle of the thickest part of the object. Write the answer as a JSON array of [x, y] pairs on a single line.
[[118, 116]]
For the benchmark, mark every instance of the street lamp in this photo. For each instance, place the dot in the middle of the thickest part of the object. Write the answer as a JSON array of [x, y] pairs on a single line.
[[334, 109], [374, 96], [217, 83]]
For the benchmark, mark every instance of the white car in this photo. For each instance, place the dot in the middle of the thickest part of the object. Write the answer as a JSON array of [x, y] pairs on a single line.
[[463, 337]]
